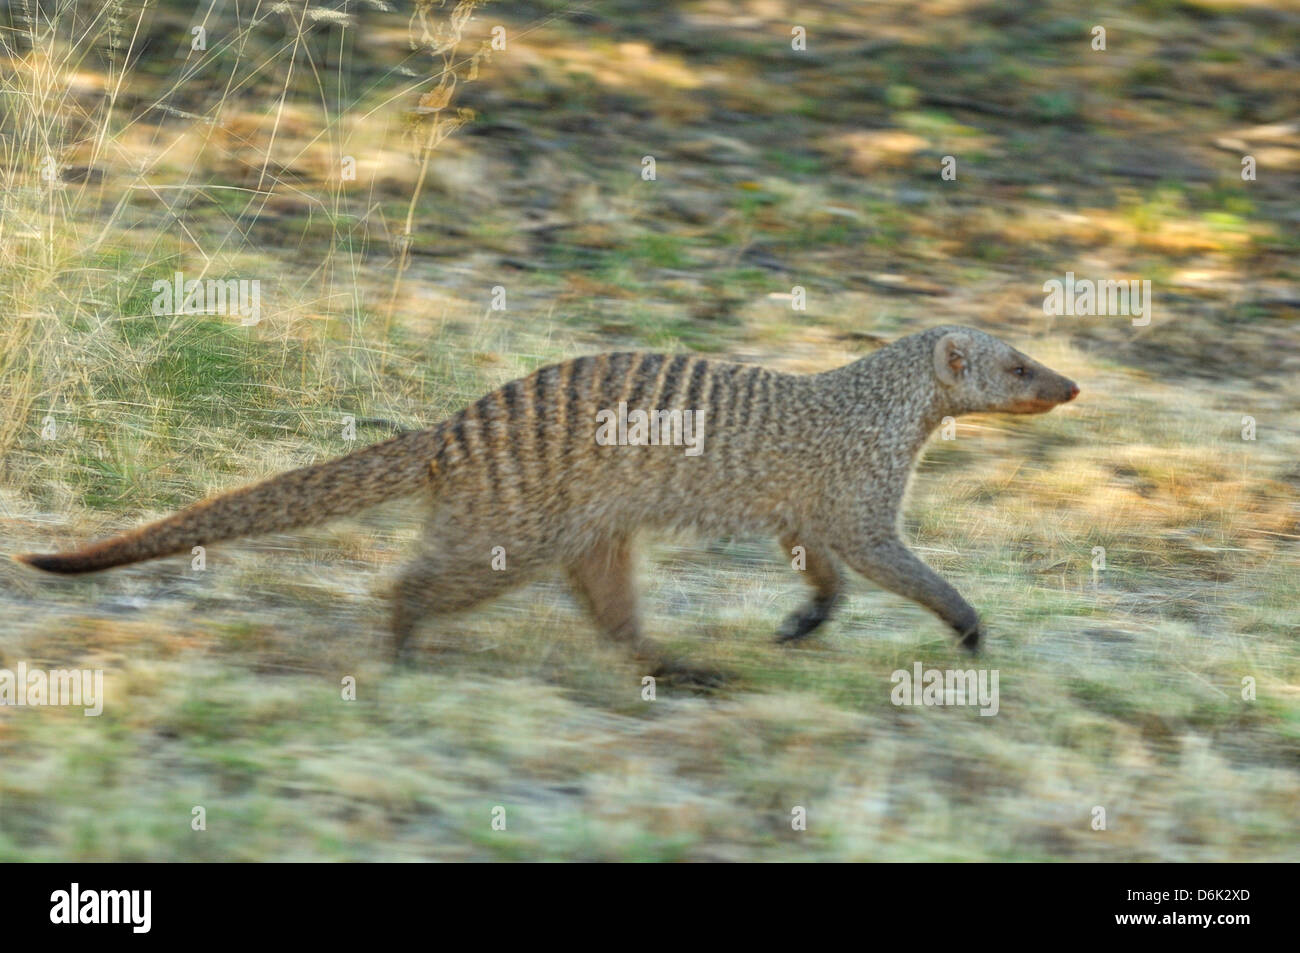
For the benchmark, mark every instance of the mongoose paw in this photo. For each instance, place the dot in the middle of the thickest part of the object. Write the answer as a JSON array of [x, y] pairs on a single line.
[[970, 640], [804, 622], [677, 672], [797, 625]]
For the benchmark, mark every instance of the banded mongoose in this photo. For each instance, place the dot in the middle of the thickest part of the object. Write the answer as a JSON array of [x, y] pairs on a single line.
[[822, 461]]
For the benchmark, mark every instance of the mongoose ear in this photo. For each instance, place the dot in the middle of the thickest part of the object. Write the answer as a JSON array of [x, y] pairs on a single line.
[[951, 356]]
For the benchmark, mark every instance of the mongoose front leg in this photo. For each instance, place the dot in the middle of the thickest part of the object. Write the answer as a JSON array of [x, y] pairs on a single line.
[[891, 565], [823, 574]]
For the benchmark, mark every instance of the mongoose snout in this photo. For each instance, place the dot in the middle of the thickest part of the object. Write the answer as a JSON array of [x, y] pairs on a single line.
[[1052, 391]]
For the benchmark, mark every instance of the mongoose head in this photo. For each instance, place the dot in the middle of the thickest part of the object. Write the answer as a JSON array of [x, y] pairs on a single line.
[[977, 373]]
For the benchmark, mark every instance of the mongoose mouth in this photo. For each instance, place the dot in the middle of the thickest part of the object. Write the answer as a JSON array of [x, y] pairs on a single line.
[[1034, 405]]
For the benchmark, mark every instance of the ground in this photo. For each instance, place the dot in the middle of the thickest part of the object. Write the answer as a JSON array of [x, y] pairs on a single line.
[[1163, 688]]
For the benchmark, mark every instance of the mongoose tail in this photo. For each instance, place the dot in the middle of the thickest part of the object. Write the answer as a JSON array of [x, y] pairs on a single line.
[[303, 497]]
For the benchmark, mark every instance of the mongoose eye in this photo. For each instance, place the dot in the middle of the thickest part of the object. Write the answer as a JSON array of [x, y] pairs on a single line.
[[1018, 370]]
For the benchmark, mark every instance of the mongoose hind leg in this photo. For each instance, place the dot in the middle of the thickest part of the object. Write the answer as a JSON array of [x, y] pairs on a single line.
[[891, 565], [823, 574], [604, 580], [443, 581]]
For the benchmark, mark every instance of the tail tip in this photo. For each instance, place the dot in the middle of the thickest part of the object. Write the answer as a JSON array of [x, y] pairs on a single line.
[[50, 562]]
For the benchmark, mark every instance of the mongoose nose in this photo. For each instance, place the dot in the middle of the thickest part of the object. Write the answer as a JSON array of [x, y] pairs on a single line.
[[1074, 392]]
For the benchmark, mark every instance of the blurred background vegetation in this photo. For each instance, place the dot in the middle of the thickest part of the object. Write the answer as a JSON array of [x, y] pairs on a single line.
[[126, 155]]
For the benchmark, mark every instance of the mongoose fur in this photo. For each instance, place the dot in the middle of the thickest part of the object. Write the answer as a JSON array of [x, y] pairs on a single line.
[[822, 461]]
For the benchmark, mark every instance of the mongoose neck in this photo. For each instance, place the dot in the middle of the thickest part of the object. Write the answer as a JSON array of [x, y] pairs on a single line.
[[894, 390]]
